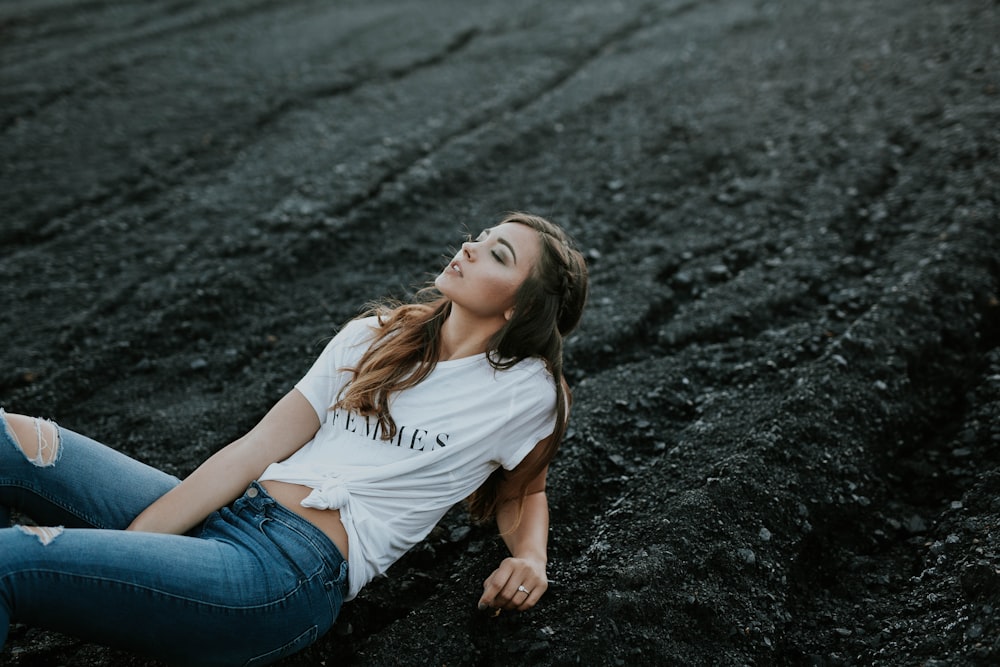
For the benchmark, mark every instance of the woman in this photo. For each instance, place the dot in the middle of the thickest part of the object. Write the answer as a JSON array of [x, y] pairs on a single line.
[[407, 411]]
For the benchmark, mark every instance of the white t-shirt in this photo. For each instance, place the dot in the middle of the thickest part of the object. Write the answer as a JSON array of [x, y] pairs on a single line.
[[453, 429]]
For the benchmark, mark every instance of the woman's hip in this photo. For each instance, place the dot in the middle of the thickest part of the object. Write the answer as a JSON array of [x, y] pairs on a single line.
[[290, 497]]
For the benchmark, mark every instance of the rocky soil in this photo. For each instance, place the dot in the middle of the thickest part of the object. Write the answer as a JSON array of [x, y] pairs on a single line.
[[785, 446]]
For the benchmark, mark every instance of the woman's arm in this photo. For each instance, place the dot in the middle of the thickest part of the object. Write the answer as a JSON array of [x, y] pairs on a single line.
[[291, 423], [527, 540]]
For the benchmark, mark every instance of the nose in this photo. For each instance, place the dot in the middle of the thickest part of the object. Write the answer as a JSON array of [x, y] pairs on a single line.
[[469, 249]]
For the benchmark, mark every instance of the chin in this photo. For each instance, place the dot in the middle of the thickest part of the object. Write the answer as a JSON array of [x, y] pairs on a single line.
[[441, 283]]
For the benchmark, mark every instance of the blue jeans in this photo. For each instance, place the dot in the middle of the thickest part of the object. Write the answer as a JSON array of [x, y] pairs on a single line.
[[254, 583]]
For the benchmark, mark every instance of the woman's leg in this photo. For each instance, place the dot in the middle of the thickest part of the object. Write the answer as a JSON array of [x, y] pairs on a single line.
[[58, 477], [256, 583]]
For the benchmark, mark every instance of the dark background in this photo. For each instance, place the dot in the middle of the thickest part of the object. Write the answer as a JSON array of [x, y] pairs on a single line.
[[785, 446]]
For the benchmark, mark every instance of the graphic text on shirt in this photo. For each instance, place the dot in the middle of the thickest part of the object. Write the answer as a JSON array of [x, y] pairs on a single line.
[[406, 436]]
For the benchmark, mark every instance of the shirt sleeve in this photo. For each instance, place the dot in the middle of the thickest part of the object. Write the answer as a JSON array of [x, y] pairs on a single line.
[[531, 417], [324, 379]]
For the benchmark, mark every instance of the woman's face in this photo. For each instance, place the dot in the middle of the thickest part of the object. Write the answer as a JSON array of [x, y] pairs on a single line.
[[486, 273]]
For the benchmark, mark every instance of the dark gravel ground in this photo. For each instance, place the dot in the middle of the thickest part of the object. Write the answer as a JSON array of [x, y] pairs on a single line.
[[785, 447]]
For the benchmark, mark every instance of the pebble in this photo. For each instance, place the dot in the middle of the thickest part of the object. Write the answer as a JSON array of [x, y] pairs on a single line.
[[460, 533], [718, 272], [683, 278], [916, 524]]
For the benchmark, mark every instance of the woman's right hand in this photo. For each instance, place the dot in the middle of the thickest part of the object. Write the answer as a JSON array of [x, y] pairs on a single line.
[[517, 584]]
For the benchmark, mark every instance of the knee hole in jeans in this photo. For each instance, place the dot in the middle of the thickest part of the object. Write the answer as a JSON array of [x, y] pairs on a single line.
[[37, 438], [45, 534]]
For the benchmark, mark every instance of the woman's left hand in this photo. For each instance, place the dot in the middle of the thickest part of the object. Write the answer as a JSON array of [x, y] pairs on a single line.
[[516, 585]]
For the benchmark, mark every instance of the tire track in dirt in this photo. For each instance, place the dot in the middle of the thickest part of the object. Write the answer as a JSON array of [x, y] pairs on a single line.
[[471, 129], [156, 21], [138, 188], [198, 157], [155, 179]]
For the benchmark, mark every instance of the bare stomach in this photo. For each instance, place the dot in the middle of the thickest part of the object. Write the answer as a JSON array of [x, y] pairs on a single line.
[[290, 497]]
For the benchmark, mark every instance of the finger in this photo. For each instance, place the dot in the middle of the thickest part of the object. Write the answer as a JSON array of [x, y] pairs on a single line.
[[492, 588], [531, 599], [517, 596], [520, 596], [512, 595]]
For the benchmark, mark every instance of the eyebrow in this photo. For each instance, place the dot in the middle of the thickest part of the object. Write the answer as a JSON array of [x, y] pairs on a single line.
[[507, 243]]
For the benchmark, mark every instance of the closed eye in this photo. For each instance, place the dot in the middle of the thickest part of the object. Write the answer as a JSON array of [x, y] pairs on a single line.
[[499, 256]]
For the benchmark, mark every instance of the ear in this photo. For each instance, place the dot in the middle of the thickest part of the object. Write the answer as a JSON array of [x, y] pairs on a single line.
[[509, 313]]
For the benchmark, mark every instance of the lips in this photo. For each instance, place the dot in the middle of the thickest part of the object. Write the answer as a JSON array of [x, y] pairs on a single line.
[[455, 267]]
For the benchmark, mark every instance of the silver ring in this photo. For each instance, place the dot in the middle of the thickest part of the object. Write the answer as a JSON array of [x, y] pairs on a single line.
[[522, 589]]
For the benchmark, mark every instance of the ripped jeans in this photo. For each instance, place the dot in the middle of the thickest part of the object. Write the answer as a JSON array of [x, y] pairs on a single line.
[[254, 583]]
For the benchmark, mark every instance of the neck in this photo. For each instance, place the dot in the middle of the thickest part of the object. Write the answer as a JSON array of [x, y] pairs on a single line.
[[464, 335]]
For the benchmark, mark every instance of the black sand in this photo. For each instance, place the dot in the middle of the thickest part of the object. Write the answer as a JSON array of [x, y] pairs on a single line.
[[786, 440]]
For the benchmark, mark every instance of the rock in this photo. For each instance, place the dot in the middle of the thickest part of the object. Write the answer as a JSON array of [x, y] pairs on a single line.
[[459, 533], [718, 272], [915, 524]]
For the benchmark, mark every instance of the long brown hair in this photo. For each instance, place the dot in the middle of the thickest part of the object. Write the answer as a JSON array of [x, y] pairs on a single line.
[[547, 307]]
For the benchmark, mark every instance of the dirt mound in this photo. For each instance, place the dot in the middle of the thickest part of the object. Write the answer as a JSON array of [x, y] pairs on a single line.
[[785, 446]]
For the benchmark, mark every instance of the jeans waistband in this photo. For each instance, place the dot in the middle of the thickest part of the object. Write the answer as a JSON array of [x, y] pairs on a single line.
[[257, 497], [258, 500]]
